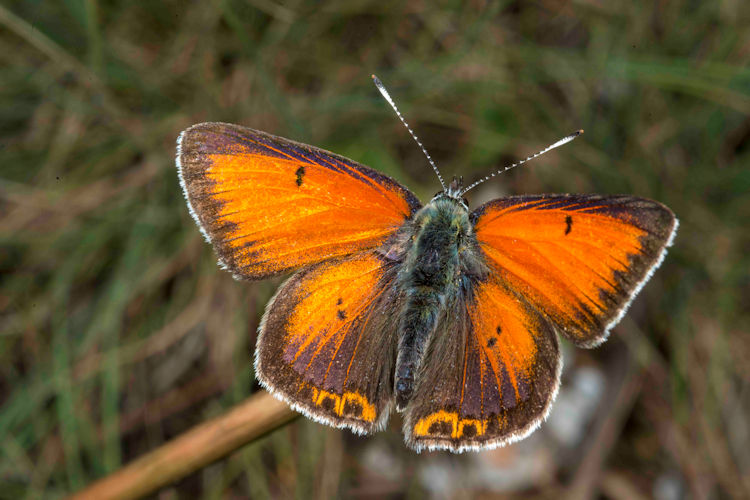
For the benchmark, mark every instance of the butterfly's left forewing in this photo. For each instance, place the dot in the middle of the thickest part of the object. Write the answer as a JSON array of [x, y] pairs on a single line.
[[270, 205], [327, 342], [489, 375]]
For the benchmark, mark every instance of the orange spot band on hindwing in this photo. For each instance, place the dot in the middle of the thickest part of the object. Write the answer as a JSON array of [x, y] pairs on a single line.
[[447, 424], [368, 411]]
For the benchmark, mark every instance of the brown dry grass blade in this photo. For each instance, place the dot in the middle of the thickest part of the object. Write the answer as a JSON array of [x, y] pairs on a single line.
[[206, 443]]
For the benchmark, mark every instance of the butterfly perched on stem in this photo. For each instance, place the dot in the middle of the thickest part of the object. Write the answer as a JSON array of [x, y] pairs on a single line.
[[447, 314]]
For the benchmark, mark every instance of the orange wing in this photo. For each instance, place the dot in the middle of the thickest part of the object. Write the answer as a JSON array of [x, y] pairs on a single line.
[[489, 376], [269, 205], [327, 342], [578, 258]]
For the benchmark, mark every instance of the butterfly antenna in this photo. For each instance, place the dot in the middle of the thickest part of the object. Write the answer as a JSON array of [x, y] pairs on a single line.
[[559, 143], [387, 97]]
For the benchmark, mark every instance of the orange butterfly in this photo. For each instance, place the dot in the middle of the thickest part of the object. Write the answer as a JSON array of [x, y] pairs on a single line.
[[449, 315]]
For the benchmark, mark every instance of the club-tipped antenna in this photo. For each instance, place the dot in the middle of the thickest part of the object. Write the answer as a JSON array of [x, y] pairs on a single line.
[[387, 97], [559, 143]]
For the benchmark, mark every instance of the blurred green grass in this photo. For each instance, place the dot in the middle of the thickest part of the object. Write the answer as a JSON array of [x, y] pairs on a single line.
[[118, 332]]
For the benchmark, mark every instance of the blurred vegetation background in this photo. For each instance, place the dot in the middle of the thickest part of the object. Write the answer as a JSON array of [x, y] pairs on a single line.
[[118, 332]]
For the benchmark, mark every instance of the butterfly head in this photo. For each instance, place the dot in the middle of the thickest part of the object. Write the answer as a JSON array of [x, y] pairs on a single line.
[[454, 192]]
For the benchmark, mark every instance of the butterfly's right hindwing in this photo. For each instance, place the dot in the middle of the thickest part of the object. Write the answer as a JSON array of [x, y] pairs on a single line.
[[490, 374]]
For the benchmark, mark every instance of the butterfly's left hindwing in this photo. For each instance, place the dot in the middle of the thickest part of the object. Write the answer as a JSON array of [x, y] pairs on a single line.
[[489, 375], [327, 342]]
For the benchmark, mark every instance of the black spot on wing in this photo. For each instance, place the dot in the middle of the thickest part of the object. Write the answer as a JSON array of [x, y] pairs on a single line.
[[341, 314], [440, 428], [568, 224], [300, 173], [329, 404], [469, 431], [352, 409]]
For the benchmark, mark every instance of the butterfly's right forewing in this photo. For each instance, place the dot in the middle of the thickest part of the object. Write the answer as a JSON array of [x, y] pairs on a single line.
[[579, 259]]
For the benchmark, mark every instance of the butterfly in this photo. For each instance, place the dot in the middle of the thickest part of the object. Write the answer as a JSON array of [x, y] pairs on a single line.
[[446, 314]]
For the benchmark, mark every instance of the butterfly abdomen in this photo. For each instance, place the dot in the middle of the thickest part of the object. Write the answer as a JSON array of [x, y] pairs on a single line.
[[429, 276], [417, 322]]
